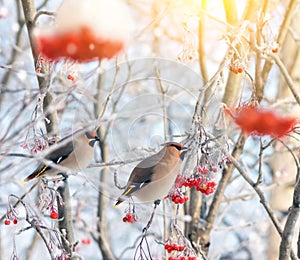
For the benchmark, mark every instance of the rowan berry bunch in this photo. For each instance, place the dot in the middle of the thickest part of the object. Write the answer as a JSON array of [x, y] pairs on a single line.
[[53, 213], [173, 247], [202, 183], [11, 212], [202, 180], [189, 50], [130, 217], [72, 77], [39, 142], [47, 200], [236, 69], [258, 121], [178, 245], [178, 197], [70, 71], [43, 64], [11, 216], [130, 214]]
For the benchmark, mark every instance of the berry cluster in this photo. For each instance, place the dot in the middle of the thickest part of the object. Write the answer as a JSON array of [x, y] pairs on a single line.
[[130, 217], [86, 241], [207, 188], [53, 213], [72, 78], [11, 216], [182, 257], [40, 144], [236, 68], [7, 221], [174, 247], [178, 245], [201, 183], [178, 198], [42, 61]]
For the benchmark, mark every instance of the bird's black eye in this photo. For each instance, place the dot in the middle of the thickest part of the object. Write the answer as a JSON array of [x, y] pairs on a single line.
[[92, 136], [178, 147]]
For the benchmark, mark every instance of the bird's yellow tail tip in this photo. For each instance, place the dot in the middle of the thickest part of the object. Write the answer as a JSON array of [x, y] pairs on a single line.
[[117, 203], [23, 182]]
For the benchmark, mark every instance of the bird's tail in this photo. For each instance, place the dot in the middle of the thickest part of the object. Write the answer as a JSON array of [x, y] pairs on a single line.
[[119, 201], [30, 177], [37, 173]]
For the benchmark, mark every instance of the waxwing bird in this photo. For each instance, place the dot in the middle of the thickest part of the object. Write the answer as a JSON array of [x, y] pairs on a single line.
[[74, 155], [152, 179]]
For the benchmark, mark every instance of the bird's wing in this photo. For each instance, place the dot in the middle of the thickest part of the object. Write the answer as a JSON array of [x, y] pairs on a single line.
[[56, 156], [61, 153], [141, 175], [139, 178]]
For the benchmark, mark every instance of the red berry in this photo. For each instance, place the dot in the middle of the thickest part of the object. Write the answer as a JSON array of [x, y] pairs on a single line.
[[228, 161], [214, 169], [15, 221], [181, 247], [240, 70], [135, 219], [70, 77], [275, 50], [235, 71], [42, 59], [7, 222], [205, 171], [192, 183], [129, 217], [54, 214], [168, 247]]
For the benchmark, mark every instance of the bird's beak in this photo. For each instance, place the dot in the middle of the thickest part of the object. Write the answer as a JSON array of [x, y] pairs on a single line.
[[97, 139], [184, 148]]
